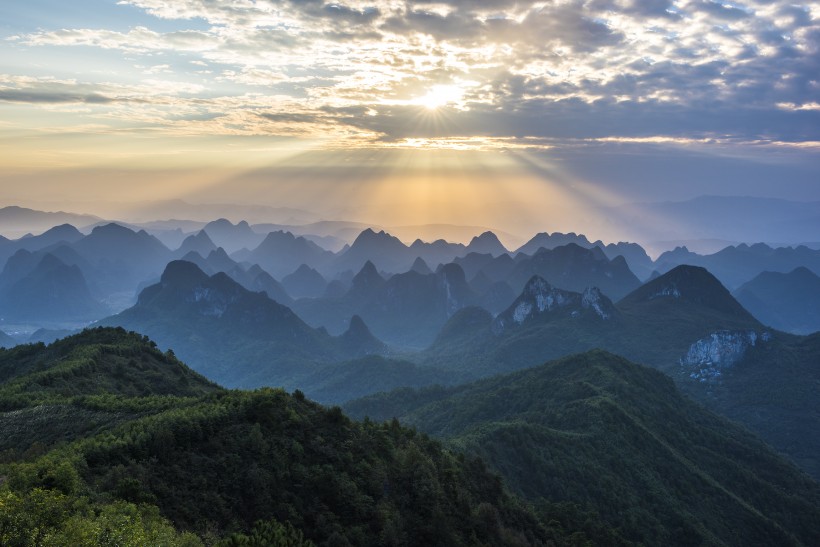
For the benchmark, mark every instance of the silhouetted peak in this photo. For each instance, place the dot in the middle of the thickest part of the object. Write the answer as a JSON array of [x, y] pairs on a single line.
[[368, 270], [304, 269], [369, 237], [219, 223], [201, 237], [192, 256], [219, 254], [367, 278], [358, 340], [63, 231], [420, 266], [277, 238], [50, 262], [181, 273], [487, 243], [357, 327], [689, 284], [803, 273], [111, 230], [452, 272]]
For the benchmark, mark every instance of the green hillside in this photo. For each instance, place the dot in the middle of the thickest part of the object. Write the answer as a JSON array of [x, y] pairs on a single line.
[[203, 465], [685, 324], [617, 438]]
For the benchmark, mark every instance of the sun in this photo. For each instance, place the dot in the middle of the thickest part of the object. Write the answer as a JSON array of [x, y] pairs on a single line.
[[441, 95]]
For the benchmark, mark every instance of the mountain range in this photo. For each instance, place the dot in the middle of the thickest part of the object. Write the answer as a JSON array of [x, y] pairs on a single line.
[[683, 323], [787, 301], [232, 335], [110, 439], [576, 392]]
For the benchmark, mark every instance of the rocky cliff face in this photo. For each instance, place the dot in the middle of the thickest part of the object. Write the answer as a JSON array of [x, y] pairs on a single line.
[[541, 300], [707, 358]]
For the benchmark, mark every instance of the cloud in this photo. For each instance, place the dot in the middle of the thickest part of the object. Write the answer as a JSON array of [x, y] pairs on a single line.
[[45, 97], [570, 69]]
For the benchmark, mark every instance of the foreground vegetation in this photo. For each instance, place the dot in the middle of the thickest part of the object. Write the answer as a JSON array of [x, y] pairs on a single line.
[[202, 465]]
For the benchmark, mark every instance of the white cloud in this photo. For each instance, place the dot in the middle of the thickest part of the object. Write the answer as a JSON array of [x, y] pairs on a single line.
[[526, 61]]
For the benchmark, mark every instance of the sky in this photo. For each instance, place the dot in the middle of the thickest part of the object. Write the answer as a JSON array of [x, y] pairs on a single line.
[[527, 116]]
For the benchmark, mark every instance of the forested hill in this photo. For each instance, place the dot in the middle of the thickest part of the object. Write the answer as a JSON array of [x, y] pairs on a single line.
[[618, 438], [97, 459]]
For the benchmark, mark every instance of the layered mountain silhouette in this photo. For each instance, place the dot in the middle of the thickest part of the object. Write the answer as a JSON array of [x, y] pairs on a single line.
[[736, 265], [785, 301], [406, 310], [198, 243], [6, 341], [574, 268], [20, 220], [305, 282], [232, 237], [686, 324], [635, 255], [235, 336], [280, 253], [49, 289]]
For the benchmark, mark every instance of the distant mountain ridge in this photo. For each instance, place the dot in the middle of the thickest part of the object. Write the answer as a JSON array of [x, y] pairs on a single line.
[[243, 338], [17, 221], [786, 301]]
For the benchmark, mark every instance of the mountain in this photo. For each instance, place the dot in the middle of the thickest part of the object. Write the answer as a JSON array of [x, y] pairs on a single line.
[[496, 268], [366, 283], [785, 301], [635, 255], [18, 221], [230, 334], [6, 341], [357, 340], [305, 282], [617, 438], [232, 237], [437, 252], [95, 361], [687, 287], [736, 265], [120, 259], [198, 243], [254, 278], [496, 298], [260, 280], [51, 291], [575, 268], [104, 462], [486, 243], [420, 266], [280, 253], [386, 252], [684, 323], [406, 310], [542, 302], [64, 233]]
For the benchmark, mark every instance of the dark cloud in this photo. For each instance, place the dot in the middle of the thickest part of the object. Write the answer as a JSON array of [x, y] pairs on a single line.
[[50, 97], [286, 117], [722, 11]]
